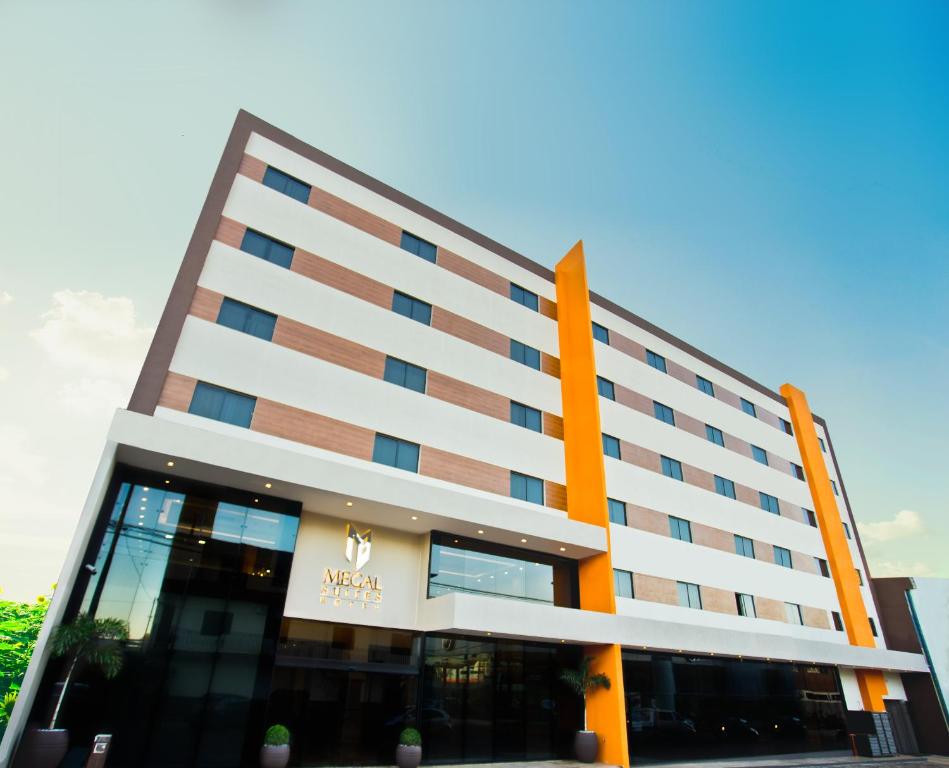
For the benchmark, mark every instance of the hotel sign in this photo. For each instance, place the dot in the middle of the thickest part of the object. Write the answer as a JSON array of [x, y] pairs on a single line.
[[351, 587]]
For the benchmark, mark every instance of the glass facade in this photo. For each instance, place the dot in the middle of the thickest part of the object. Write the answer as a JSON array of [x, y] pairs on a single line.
[[457, 564], [685, 707], [200, 575]]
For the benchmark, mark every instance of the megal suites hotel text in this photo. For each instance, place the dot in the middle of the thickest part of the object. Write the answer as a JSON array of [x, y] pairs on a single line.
[[379, 470]]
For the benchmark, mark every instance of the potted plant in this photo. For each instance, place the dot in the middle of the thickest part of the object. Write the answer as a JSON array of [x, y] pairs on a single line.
[[275, 753], [409, 752], [583, 683], [86, 642]]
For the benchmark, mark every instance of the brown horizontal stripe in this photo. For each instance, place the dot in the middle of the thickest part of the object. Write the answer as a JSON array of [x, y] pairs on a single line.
[[555, 495], [230, 232], [462, 267], [206, 304], [547, 308], [470, 331], [326, 346], [177, 391], [334, 206], [342, 279], [468, 396], [550, 365], [300, 426], [252, 168], [462, 470], [719, 600], [553, 425]]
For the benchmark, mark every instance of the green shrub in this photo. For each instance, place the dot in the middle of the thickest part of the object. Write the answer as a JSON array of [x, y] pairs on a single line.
[[277, 736], [410, 738]]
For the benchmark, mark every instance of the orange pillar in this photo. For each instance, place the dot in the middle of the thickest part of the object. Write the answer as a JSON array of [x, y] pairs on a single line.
[[586, 492], [842, 570]]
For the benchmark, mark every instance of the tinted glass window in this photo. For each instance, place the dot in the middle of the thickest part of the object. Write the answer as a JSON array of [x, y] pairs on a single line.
[[822, 568], [671, 468], [617, 511], [724, 487], [418, 246], [405, 374], [714, 435], [786, 426], [527, 488], [847, 531], [822, 446], [600, 333], [525, 416], [746, 605], [748, 407], [760, 455], [605, 388], [395, 453], [623, 583], [810, 518], [416, 309], [523, 296], [286, 184], [744, 546], [247, 319], [838, 622], [680, 529], [833, 485], [798, 470], [782, 557], [611, 446], [266, 248], [705, 386], [769, 503], [222, 404], [663, 413], [656, 361], [521, 353], [793, 611], [689, 595]]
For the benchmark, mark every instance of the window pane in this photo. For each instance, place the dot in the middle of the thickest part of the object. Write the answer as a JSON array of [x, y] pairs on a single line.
[[623, 583], [394, 371], [518, 486], [535, 490], [605, 388], [524, 297], [611, 446], [760, 455], [663, 413], [222, 404], [238, 409], [748, 407], [600, 333], [714, 435], [705, 386], [407, 456], [207, 400], [384, 451], [532, 419], [656, 361], [280, 254], [617, 510], [255, 244], [415, 377]]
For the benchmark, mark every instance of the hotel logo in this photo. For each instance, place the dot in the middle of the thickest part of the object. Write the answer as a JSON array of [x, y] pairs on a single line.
[[352, 588]]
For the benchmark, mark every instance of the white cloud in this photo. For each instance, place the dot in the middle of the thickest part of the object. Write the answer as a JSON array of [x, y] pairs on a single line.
[[89, 395], [885, 568], [905, 523], [18, 462], [5, 298], [94, 334], [4, 374]]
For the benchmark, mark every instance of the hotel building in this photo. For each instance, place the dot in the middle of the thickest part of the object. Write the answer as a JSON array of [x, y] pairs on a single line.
[[379, 470]]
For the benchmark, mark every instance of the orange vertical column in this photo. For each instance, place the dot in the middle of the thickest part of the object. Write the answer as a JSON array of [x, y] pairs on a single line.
[[871, 681], [586, 491]]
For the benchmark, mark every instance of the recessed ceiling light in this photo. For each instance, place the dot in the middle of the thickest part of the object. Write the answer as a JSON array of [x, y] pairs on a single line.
[[169, 463], [415, 517], [268, 485], [563, 549], [167, 482], [256, 501], [563, 641], [480, 530], [489, 634], [169, 536], [145, 489], [523, 541], [201, 541], [349, 503], [142, 509], [141, 523]]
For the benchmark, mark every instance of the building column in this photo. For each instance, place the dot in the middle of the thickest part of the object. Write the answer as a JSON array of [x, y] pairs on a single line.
[[586, 492], [842, 569]]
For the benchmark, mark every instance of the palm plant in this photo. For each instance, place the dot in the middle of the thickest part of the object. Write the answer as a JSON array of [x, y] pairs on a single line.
[[582, 682], [92, 642]]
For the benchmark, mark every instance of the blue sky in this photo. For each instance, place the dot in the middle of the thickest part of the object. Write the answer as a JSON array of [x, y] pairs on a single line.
[[769, 181]]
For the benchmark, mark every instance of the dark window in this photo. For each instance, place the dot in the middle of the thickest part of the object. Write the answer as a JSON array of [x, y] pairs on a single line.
[[822, 568], [623, 583], [834, 486], [457, 564], [846, 530], [769, 503], [859, 576], [873, 625], [656, 361], [216, 623], [600, 333], [605, 388], [680, 529], [527, 488], [286, 184], [611, 446], [525, 416], [705, 385], [617, 511], [798, 470], [663, 413], [748, 407], [258, 244], [396, 453], [671, 468], [760, 455], [222, 404], [521, 353], [418, 246], [822, 446], [793, 612], [523, 296], [782, 556], [714, 435], [413, 308], [838, 622], [744, 546], [810, 518], [246, 319], [689, 595], [725, 487], [786, 426], [746, 605], [405, 374]]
